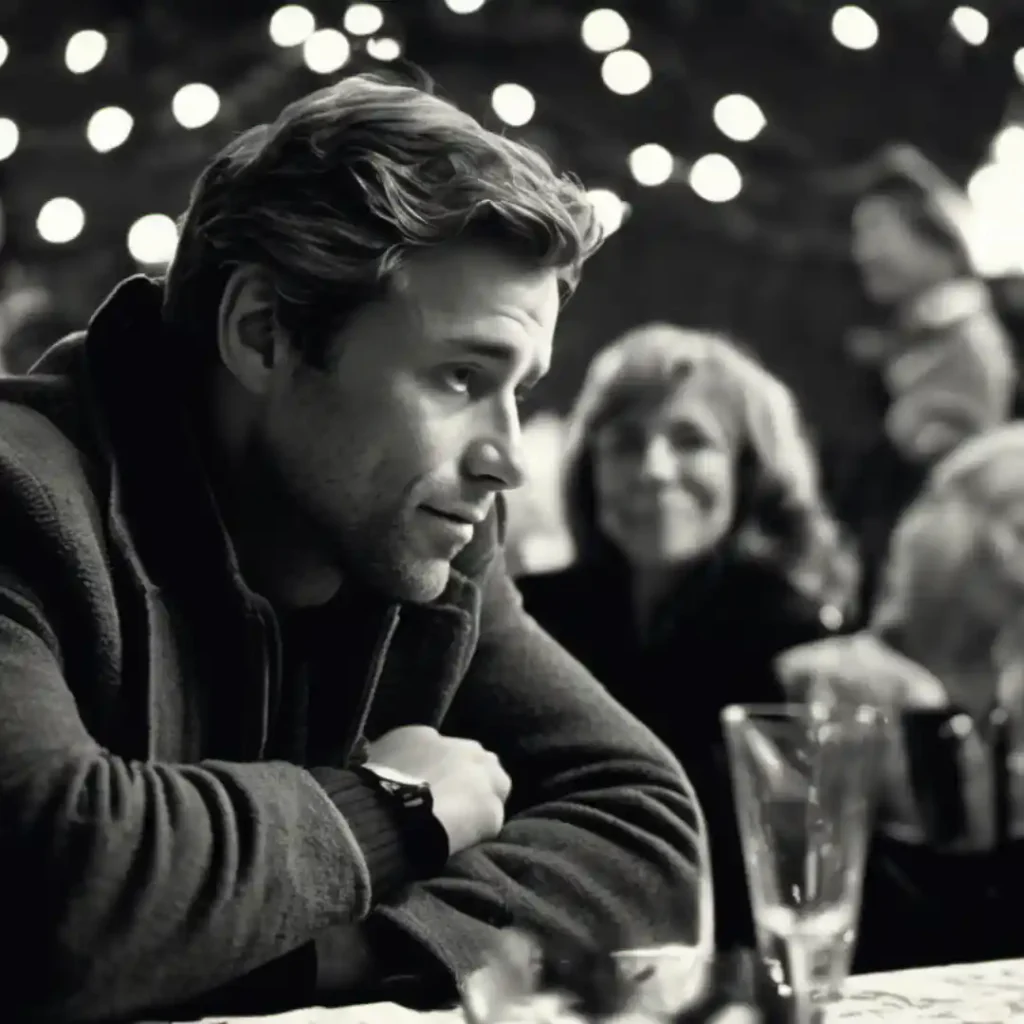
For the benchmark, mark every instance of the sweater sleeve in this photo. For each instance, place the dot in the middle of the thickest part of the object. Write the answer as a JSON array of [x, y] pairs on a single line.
[[131, 886], [603, 838]]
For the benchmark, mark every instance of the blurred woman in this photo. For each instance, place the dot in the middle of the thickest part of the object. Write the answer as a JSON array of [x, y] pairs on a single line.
[[943, 363], [702, 551], [945, 652]]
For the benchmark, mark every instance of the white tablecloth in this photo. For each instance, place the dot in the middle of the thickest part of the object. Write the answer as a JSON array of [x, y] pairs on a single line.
[[990, 993]]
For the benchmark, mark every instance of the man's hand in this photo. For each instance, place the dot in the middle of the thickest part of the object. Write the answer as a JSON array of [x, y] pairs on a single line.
[[468, 784]]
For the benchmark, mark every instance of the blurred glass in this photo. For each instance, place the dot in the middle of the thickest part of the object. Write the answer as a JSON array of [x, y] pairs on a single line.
[[804, 778]]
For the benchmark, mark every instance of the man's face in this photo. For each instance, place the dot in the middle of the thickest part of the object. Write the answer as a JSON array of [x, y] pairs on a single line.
[[394, 452]]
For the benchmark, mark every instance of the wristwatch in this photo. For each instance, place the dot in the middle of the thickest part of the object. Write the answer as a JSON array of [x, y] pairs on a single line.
[[413, 803]]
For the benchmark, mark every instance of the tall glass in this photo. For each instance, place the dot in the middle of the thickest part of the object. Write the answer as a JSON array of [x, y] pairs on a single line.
[[804, 778]]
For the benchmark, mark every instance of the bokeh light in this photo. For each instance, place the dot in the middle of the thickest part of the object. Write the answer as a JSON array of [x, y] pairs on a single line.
[[60, 220], [195, 105], [327, 50], [384, 48], [715, 178], [291, 25], [609, 209], [514, 104], [854, 28], [108, 128], [153, 239], [464, 6], [363, 19], [604, 30], [739, 117], [85, 51], [651, 164], [626, 72], [970, 24], [9, 137]]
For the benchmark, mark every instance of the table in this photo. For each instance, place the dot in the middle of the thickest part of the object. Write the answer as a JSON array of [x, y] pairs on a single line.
[[965, 993], [991, 993]]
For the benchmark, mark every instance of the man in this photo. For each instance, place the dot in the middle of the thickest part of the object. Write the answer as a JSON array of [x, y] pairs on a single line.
[[274, 728]]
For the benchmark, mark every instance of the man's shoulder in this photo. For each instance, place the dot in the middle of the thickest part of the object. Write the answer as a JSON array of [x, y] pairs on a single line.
[[45, 472]]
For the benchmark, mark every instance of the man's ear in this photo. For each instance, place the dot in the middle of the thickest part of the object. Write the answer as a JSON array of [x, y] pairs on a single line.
[[251, 342]]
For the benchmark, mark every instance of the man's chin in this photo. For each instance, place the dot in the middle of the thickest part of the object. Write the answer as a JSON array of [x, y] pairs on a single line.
[[420, 583]]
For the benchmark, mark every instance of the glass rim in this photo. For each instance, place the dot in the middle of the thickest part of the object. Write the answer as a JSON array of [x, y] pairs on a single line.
[[797, 710]]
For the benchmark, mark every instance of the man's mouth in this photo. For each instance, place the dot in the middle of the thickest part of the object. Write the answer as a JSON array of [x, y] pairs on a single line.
[[463, 518]]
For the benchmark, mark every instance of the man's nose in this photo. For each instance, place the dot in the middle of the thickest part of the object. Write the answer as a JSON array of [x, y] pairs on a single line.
[[496, 456]]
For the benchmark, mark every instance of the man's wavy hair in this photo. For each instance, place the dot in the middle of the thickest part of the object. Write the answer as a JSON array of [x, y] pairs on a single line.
[[781, 518], [330, 198]]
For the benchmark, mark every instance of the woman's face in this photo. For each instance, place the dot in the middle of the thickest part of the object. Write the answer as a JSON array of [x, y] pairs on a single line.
[[665, 478]]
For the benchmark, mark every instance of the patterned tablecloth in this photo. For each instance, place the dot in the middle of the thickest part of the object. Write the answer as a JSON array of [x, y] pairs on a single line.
[[990, 993], [967, 993]]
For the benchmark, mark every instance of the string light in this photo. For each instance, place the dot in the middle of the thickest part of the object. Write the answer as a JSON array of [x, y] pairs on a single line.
[[1008, 145], [291, 25], [326, 51], [651, 164], [514, 104], [195, 105], [384, 48], [464, 6], [609, 209], [108, 128], [625, 72], [739, 117], [854, 28], [9, 137], [363, 19], [60, 220], [85, 51], [971, 24], [153, 239], [715, 178], [604, 30], [4, 50]]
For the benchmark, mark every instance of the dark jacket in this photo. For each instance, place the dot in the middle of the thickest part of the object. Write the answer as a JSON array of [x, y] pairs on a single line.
[[714, 645], [154, 845]]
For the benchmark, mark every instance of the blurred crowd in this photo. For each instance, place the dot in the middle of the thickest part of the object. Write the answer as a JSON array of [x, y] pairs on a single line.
[[684, 538]]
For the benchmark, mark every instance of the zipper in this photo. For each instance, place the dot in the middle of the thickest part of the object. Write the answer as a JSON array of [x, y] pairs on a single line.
[[380, 651]]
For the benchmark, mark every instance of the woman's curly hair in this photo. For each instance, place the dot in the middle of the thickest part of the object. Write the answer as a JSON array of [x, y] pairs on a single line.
[[331, 198], [781, 516]]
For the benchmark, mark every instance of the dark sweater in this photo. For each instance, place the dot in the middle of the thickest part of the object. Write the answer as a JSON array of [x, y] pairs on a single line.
[[714, 645], [155, 846]]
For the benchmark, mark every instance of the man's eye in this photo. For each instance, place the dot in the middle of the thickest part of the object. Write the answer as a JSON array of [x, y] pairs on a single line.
[[460, 378]]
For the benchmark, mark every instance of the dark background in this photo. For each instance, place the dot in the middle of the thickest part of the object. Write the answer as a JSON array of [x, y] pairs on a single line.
[[771, 267]]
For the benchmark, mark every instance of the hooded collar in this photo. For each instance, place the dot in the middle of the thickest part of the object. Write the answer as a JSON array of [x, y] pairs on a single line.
[[158, 482]]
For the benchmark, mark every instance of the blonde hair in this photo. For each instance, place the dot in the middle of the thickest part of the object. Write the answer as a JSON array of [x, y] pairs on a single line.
[[330, 198], [961, 524], [781, 515]]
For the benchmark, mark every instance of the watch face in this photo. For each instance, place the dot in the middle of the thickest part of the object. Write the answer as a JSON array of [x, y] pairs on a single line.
[[393, 776]]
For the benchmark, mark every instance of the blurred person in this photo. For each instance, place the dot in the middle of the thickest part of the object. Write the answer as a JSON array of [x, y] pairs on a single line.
[[537, 538], [944, 651], [274, 728], [30, 322], [945, 364], [703, 549]]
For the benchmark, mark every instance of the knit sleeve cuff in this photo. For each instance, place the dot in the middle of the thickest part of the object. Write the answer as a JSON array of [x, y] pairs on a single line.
[[376, 825]]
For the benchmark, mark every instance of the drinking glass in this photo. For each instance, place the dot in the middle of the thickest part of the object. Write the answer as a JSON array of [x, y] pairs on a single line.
[[804, 779]]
